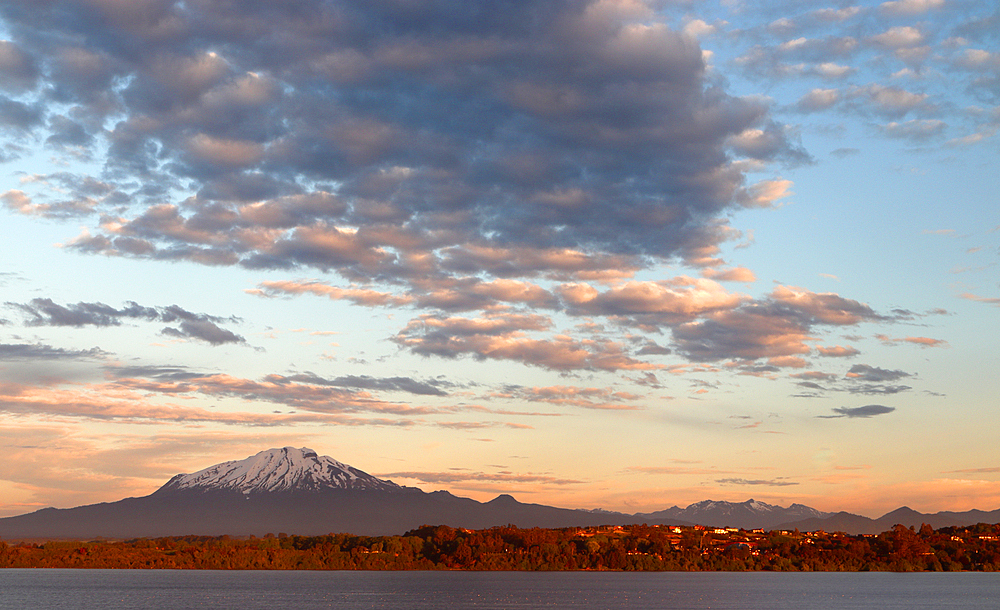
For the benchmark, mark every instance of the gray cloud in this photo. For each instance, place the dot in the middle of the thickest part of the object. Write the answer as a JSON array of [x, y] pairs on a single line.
[[875, 389], [18, 70], [162, 373], [861, 412], [399, 384], [19, 117], [864, 372], [540, 124], [205, 330], [45, 312], [776, 326], [29, 352]]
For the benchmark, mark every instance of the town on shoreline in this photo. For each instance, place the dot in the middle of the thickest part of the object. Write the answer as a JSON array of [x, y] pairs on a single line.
[[625, 548]]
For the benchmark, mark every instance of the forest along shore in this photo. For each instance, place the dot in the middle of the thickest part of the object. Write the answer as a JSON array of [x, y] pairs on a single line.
[[636, 548]]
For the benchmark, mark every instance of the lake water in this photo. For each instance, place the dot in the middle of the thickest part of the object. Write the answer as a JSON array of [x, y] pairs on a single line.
[[181, 589]]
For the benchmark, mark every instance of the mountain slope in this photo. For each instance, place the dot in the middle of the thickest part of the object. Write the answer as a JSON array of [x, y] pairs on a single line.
[[299, 492], [274, 470], [856, 524], [286, 490], [747, 515]]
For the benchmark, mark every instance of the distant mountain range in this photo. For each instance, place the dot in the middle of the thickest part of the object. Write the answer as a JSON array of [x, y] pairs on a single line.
[[296, 491]]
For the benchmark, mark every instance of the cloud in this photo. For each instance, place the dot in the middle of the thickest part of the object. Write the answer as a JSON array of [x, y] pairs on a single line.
[[845, 152], [832, 70], [359, 296], [838, 351], [124, 404], [972, 297], [588, 398], [672, 470], [864, 372], [31, 352], [917, 130], [861, 412], [480, 477], [734, 274], [910, 7], [777, 326], [399, 384], [368, 138], [921, 341], [205, 330], [663, 302], [306, 392], [900, 36], [818, 99], [889, 101], [45, 312], [504, 337], [763, 482]]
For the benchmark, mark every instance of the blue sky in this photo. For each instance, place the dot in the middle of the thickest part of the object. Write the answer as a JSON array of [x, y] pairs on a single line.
[[622, 254]]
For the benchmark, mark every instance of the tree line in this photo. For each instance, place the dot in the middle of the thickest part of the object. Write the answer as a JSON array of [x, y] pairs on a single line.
[[638, 548]]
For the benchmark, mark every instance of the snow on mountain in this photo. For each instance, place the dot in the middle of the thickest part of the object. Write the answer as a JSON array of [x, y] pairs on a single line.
[[276, 470], [750, 506], [749, 514]]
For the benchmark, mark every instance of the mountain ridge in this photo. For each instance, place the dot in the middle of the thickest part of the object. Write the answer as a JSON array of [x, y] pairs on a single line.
[[297, 491]]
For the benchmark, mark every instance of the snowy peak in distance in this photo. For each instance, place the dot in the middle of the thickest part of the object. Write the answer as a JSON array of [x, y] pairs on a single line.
[[752, 507], [750, 514], [279, 470]]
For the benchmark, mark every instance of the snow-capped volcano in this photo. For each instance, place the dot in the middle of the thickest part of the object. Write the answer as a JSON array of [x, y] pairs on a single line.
[[278, 470]]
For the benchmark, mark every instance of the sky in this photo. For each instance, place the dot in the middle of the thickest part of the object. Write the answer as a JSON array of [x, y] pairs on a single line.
[[618, 254]]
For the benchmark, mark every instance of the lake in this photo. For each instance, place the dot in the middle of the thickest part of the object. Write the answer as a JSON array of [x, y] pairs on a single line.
[[247, 590]]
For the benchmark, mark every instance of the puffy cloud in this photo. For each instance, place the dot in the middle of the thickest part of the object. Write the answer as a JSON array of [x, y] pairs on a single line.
[[838, 351], [837, 15], [696, 28], [734, 274], [778, 326], [824, 307], [504, 337], [979, 59], [749, 333], [889, 101], [818, 99], [763, 194], [832, 70], [433, 132], [774, 61], [18, 70], [910, 7], [664, 302], [918, 130], [900, 36]]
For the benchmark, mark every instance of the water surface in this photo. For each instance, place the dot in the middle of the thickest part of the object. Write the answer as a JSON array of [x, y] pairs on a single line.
[[250, 590]]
